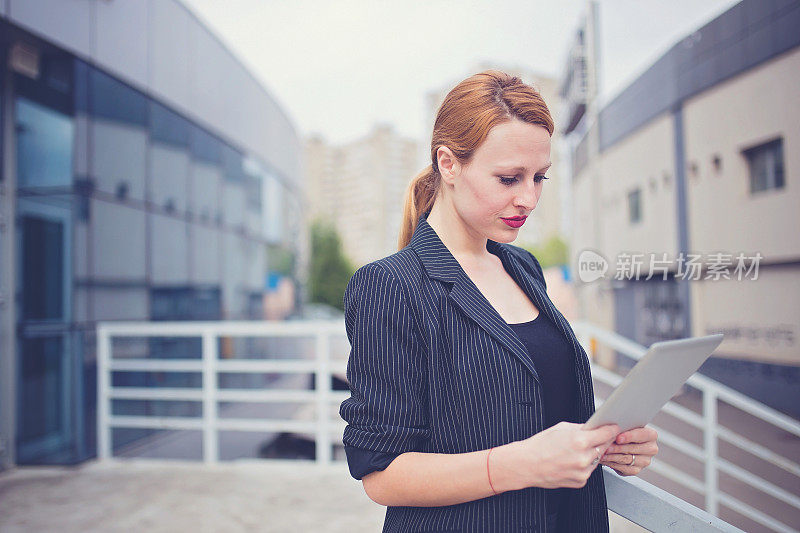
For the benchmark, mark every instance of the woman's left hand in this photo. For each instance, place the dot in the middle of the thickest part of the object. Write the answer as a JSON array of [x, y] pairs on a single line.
[[631, 451]]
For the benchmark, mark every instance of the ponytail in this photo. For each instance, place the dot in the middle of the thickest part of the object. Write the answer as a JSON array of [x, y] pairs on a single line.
[[420, 196]]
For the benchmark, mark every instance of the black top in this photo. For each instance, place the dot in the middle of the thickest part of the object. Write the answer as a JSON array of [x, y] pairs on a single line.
[[553, 359]]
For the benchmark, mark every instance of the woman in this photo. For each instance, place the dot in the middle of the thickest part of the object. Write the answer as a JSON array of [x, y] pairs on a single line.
[[469, 389]]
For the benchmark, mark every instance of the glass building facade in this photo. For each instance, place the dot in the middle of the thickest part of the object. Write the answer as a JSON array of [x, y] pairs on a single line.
[[115, 206]]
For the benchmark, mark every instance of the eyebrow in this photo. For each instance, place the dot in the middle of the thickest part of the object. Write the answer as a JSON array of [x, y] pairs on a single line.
[[522, 169]]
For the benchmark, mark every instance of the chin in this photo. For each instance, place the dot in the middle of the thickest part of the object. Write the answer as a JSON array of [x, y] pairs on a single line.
[[506, 236]]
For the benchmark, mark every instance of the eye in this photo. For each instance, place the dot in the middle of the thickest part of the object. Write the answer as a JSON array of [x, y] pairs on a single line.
[[510, 180]]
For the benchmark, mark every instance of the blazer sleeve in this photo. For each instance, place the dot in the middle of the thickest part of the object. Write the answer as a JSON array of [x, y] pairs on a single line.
[[362, 462], [387, 410]]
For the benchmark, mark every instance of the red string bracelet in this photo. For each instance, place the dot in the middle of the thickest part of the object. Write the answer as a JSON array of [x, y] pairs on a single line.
[[487, 469]]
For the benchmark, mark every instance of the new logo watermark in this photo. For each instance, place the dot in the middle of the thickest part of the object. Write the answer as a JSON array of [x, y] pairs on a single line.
[[687, 266], [591, 266]]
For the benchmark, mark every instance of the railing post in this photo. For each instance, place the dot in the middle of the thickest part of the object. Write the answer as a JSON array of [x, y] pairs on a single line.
[[210, 438], [710, 445], [323, 381], [104, 451]]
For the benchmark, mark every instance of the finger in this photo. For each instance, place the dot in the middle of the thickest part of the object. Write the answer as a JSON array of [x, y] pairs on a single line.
[[647, 448], [642, 434], [617, 458], [624, 461], [602, 435]]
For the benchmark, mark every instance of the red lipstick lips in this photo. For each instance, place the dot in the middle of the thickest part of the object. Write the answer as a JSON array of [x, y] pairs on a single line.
[[514, 222]]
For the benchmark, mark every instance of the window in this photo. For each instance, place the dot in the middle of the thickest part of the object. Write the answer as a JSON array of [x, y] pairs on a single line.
[[113, 100], [766, 166], [233, 164], [168, 127], [635, 206], [205, 147], [44, 145], [43, 260], [117, 153]]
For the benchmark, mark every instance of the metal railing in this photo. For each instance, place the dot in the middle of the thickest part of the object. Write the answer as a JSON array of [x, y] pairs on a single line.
[[712, 392], [211, 366], [626, 495], [655, 509]]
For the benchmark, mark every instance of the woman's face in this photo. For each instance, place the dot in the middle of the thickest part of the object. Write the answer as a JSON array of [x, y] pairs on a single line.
[[504, 179]]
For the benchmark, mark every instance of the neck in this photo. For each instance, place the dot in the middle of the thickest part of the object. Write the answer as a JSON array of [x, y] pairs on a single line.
[[455, 234]]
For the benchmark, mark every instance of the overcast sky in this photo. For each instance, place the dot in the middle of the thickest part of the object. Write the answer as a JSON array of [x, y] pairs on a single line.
[[340, 66]]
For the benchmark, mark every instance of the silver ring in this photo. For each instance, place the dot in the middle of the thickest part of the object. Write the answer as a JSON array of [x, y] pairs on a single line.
[[633, 459], [596, 459]]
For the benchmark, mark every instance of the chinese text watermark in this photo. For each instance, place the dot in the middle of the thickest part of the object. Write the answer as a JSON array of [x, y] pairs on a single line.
[[687, 266]]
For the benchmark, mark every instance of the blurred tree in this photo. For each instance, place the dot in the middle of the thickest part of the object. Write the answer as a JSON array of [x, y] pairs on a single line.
[[281, 260], [330, 270], [553, 252]]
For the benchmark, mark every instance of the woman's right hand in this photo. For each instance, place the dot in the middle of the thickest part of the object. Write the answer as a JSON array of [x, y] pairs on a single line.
[[562, 455]]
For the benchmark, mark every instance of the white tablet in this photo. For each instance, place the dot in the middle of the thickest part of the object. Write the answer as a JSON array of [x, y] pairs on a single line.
[[655, 378]]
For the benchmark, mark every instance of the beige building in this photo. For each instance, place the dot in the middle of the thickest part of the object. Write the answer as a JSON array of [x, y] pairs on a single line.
[[695, 160], [548, 219], [360, 187]]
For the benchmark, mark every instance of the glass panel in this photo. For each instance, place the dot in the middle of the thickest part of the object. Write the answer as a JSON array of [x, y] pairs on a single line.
[[118, 242], [169, 177], [44, 146], [205, 191], [273, 215], [234, 200], [119, 156], [205, 147], [169, 251], [205, 254], [758, 171], [116, 101], [42, 263], [43, 399], [634, 205], [119, 302], [233, 162], [779, 164], [41, 409], [186, 303], [44, 254], [766, 166], [167, 126]]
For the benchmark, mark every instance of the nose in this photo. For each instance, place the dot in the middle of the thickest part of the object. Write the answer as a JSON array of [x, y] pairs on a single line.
[[528, 195]]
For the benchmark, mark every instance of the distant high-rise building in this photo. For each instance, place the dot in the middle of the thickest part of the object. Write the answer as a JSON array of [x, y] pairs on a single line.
[[360, 187]]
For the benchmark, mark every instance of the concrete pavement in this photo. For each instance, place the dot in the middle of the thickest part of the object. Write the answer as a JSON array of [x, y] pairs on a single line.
[[154, 496]]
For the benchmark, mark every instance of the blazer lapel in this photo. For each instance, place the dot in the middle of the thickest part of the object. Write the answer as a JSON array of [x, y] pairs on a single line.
[[466, 295], [440, 264]]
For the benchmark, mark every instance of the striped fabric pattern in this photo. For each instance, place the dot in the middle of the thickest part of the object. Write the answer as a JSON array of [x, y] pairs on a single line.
[[434, 368]]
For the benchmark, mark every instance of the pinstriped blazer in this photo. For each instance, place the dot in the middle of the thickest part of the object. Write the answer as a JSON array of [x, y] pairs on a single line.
[[434, 368]]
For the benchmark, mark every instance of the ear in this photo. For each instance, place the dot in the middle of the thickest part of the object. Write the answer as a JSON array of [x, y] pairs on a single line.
[[448, 164]]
